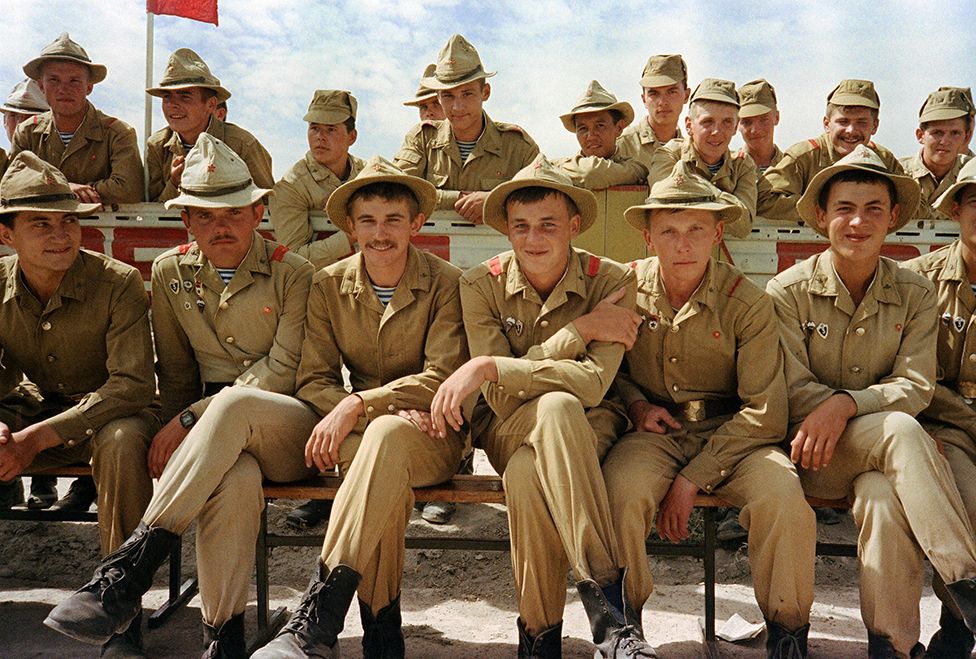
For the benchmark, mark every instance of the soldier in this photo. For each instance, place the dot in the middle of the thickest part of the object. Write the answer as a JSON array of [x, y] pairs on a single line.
[[664, 91], [97, 153], [758, 118], [468, 154], [597, 120], [968, 95], [75, 323], [850, 120], [943, 125], [190, 94], [951, 418], [228, 316], [221, 111], [425, 100], [393, 317], [859, 336], [544, 352], [26, 100], [708, 408], [713, 115]]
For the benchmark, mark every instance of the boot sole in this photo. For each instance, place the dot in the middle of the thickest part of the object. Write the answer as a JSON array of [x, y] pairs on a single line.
[[78, 634]]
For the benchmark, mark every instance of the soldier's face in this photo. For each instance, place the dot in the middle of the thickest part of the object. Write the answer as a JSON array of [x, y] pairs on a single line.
[[10, 122], [711, 129], [683, 241], [857, 219], [850, 126], [383, 228], [65, 85], [964, 212], [45, 242], [758, 131], [941, 142], [431, 110], [462, 107], [540, 233], [186, 111], [224, 234], [329, 143], [664, 104], [597, 133]]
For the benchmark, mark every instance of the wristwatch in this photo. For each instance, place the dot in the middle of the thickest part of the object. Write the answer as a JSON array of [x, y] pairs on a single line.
[[187, 418]]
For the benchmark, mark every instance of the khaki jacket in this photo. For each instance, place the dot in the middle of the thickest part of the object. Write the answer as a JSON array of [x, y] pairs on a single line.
[[722, 344], [595, 173], [430, 152], [777, 156], [535, 344], [736, 178], [103, 153], [248, 333], [398, 354], [165, 144], [931, 187], [957, 336], [638, 141], [89, 348], [305, 187], [882, 353], [782, 185]]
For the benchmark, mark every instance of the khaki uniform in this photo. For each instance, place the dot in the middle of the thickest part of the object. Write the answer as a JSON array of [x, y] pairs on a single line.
[[430, 152], [777, 156], [782, 185], [722, 346], [736, 178], [248, 334], [638, 141], [595, 173], [397, 355], [931, 187], [88, 357], [545, 422], [103, 153], [305, 187], [881, 353], [3, 162], [165, 144]]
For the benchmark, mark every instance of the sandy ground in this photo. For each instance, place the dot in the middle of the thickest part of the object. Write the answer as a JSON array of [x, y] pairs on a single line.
[[455, 604]]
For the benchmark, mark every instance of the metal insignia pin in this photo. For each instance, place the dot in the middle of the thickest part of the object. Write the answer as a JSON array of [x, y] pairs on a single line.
[[518, 327], [187, 306], [809, 326], [509, 323], [959, 323], [200, 305], [174, 285], [823, 330], [187, 285]]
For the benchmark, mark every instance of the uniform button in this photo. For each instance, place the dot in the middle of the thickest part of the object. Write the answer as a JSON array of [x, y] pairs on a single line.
[[501, 387], [972, 358], [51, 358], [89, 432], [708, 488], [545, 323], [723, 472], [61, 386], [390, 408], [45, 326], [674, 387], [521, 394], [674, 328], [673, 360], [71, 443], [369, 409], [224, 305], [247, 363], [859, 331], [229, 339], [855, 369]]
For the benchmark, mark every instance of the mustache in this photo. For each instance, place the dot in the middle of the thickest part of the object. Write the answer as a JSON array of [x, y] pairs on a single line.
[[222, 236]]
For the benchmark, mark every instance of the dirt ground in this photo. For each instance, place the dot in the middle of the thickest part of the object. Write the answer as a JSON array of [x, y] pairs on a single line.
[[455, 604]]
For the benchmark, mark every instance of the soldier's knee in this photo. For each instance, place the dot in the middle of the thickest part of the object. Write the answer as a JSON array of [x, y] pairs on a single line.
[[126, 437], [559, 405], [520, 479]]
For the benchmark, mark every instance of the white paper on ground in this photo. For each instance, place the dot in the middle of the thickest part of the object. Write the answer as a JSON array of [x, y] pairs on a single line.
[[737, 628]]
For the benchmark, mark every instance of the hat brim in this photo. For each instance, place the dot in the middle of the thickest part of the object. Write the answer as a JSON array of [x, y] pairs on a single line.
[[435, 84], [30, 112], [66, 206], [942, 114], [905, 187], [625, 108], [636, 216], [337, 205], [420, 100], [326, 117], [32, 69], [754, 110], [846, 100], [222, 93], [944, 203], [658, 81], [715, 98], [239, 199], [494, 211]]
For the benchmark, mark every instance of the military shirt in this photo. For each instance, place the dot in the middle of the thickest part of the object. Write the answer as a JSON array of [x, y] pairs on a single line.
[[535, 345], [248, 332], [305, 187], [165, 144], [881, 352], [736, 178], [88, 347], [777, 156], [931, 187], [782, 185], [956, 351], [722, 344], [103, 153], [638, 141], [398, 354], [596, 173], [430, 152]]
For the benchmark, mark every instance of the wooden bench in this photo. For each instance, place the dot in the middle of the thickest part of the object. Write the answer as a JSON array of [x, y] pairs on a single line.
[[180, 592], [480, 488]]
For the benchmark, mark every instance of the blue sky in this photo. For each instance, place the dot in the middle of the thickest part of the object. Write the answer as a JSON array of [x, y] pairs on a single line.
[[272, 54]]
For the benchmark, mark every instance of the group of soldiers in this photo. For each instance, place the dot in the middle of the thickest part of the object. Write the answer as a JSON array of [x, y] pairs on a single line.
[[606, 395]]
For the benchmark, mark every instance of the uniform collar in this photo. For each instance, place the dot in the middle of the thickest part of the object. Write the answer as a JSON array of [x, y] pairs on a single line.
[[74, 285], [489, 141], [826, 282], [320, 172], [690, 153], [90, 128], [705, 295], [954, 268], [646, 134], [256, 259], [915, 167], [416, 277], [572, 281], [215, 127]]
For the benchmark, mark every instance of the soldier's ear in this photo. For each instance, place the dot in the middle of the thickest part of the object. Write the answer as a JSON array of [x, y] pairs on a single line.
[[485, 92], [186, 218], [417, 223], [895, 212], [574, 225], [353, 134]]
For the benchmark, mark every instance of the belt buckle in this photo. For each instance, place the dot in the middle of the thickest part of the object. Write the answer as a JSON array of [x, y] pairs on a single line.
[[693, 411]]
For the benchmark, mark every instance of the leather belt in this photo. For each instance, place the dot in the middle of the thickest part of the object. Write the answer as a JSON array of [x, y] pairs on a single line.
[[213, 388], [699, 410]]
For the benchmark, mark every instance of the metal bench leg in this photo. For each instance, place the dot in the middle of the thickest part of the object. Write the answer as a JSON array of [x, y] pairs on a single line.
[[179, 594], [708, 560], [268, 626]]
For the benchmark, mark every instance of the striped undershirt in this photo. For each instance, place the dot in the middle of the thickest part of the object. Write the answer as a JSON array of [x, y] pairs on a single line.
[[384, 293], [226, 274], [66, 137], [717, 166], [466, 148]]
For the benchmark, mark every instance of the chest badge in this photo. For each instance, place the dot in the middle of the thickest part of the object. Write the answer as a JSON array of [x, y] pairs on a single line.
[[511, 322], [823, 330], [174, 285], [652, 322], [959, 323], [187, 285]]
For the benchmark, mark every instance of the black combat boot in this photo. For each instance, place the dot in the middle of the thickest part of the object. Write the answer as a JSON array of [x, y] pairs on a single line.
[[879, 647], [382, 633], [964, 594], [781, 643], [113, 598], [313, 630], [548, 644], [227, 642], [128, 644], [43, 492], [80, 496], [953, 640], [616, 628]]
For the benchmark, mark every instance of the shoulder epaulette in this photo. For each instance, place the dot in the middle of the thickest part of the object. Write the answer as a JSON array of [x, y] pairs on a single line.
[[279, 253], [495, 266], [109, 121], [185, 248], [741, 154], [633, 265], [35, 118], [506, 127], [814, 143], [593, 267], [735, 285]]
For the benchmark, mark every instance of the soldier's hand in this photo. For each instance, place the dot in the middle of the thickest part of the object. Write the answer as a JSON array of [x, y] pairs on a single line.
[[648, 417], [322, 448], [176, 170], [610, 322], [445, 409], [420, 419], [85, 193], [471, 206], [675, 509], [815, 441], [5, 435], [163, 444]]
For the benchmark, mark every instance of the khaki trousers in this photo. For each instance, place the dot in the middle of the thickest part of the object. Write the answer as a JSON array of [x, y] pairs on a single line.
[[782, 528], [905, 503], [372, 507], [548, 453], [215, 476]]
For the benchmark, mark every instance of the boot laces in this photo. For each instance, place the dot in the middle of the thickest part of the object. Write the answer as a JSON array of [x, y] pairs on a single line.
[[629, 641], [305, 618], [788, 647]]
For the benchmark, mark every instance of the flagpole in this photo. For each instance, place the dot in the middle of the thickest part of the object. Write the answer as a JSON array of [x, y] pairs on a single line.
[[147, 126]]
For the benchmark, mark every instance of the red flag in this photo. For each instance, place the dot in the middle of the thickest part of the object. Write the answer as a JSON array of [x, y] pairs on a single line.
[[197, 10]]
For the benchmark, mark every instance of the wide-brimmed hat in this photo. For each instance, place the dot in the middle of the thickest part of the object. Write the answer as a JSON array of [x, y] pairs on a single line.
[[378, 170], [664, 71], [215, 177], [541, 173], [855, 92], [31, 184], [864, 159], [683, 190], [943, 105], [423, 94], [331, 106], [967, 176], [25, 98], [63, 48], [756, 98], [717, 90], [597, 99], [185, 70], [457, 64]]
